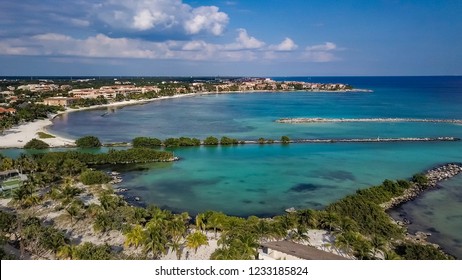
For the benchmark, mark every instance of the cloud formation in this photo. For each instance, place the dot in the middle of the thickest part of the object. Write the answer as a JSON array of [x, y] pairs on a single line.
[[141, 29], [286, 45], [161, 16]]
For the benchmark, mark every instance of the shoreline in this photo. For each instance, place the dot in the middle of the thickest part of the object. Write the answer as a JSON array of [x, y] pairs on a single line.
[[18, 136], [434, 176]]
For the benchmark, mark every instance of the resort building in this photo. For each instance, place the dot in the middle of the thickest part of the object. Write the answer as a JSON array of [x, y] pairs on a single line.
[[286, 250], [59, 101]]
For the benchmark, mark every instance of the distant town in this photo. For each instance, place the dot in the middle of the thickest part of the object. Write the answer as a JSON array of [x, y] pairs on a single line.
[[67, 92]]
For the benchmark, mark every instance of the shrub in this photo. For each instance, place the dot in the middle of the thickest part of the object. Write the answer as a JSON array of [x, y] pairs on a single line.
[[211, 141], [228, 141], [91, 177], [146, 142], [285, 139], [88, 142], [36, 144]]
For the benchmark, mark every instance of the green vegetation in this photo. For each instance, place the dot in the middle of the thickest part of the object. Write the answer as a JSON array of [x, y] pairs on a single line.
[[420, 179], [146, 142], [182, 141], [358, 222], [43, 135], [414, 251], [135, 155], [285, 139], [211, 141], [228, 141], [91, 177], [88, 142], [36, 144]]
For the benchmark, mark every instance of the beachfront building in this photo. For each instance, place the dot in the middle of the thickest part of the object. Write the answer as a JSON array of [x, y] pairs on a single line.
[[110, 92], [59, 101], [286, 250]]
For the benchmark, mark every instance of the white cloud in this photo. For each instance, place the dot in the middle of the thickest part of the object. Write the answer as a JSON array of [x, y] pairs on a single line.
[[320, 53], [162, 15], [286, 45], [245, 48], [328, 46], [206, 18], [244, 41]]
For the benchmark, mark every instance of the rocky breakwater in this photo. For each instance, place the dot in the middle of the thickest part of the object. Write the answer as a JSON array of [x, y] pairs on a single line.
[[431, 178], [378, 120]]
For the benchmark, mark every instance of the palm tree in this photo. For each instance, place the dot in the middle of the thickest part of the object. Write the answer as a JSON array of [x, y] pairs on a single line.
[[307, 217], [135, 236], [200, 221], [155, 241], [66, 252], [329, 221], [176, 228], [196, 240], [216, 221], [177, 247]]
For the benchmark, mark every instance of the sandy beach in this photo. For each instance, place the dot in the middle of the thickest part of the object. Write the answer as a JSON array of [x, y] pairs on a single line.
[[18, 136]]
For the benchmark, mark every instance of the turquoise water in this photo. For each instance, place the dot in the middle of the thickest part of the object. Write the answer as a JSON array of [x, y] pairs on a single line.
[[266, 179]]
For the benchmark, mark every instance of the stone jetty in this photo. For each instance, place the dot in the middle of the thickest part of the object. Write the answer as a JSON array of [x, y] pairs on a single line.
[[433, 176], [337, 120], [358, 140]]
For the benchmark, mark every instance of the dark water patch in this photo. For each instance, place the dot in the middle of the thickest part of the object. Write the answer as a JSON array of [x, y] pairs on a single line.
[[141, 188], [337, 175], [262, 202], [307, 187], [258, 190], [246, 201], [429, 212], [242, 181], [432, 230], [171, 187], [454, 218]]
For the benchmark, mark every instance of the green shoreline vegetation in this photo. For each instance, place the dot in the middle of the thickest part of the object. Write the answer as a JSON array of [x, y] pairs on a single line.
[[62, 194]]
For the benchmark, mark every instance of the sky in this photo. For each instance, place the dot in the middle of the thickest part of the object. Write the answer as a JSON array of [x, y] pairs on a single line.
[[230, 38]]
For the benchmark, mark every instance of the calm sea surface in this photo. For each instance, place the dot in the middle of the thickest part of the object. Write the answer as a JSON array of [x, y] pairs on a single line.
[[266, 179]]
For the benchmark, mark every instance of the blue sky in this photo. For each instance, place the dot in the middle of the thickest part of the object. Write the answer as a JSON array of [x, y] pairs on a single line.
[[236, 37]]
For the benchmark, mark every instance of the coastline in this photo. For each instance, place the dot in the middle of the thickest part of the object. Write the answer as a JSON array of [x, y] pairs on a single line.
[[18, 136], [434, 176]]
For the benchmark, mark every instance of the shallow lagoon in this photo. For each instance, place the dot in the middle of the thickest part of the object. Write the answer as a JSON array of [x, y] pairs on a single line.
[[265, 179]]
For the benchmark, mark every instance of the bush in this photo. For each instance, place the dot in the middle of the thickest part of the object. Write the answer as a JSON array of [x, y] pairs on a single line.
[[36, 144], [172, 142], [411, 251], [228, 141], [146, 142], [91, 177], [211, 141], [285, 139], [420, 179], [186, 141], [88, 142]]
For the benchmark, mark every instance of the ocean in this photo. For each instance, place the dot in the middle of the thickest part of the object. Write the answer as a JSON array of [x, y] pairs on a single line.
[[264, 180]]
